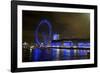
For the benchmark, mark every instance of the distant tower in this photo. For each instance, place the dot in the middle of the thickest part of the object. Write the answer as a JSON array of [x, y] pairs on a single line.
[[56, 36]]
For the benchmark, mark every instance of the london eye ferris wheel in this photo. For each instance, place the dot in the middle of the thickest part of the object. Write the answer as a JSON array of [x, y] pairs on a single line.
[[43, 32]]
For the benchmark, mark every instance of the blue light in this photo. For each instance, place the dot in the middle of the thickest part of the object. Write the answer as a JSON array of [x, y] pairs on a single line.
[[82, 52], [66, 54], [71, 52], [36, 54], [59, 44], [53, 44], [44, 55], [68, 44], [56, 44], [53, 53], [83, 45], [87, 45], [47, 23], [56, 37]]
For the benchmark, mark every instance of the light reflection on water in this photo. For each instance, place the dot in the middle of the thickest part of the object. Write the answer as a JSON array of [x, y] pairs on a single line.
[[52, 54]]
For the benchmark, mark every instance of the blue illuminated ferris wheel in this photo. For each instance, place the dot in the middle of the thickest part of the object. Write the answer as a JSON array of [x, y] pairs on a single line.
[[43, 32]]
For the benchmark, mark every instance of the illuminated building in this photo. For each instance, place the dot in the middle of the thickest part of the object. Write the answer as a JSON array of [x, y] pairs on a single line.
[[56, 36], [53, 47]]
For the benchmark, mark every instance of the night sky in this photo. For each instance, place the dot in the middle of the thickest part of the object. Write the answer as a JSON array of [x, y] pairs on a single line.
[[68, 25]]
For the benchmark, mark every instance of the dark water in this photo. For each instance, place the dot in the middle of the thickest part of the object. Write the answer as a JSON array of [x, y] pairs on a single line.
[[53, 54]]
